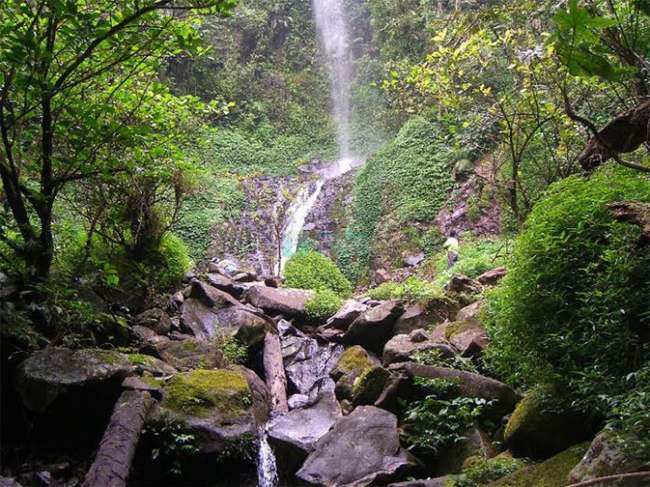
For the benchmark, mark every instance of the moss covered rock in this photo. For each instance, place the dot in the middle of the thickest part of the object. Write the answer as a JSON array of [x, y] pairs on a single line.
[[534, 431], [190, 354], [216, 406], [354, 360], [551, 473], [369, 385]]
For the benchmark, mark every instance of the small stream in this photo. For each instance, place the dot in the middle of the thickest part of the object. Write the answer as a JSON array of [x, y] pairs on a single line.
[[267, 470]]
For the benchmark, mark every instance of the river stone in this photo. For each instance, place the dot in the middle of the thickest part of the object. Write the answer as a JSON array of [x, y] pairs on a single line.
[[349, 312], [283, 301], [219, 407], [361, 449], [469, 384], [401, 348], [305, 360], [374, 328], [53, 372], [294, 435]]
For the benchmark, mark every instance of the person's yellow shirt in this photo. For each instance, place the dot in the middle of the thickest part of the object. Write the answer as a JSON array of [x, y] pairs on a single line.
[[452, 245]]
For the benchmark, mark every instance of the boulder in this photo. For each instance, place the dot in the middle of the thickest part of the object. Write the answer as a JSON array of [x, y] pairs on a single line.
[[151, 365], [374, 327], [535, 432], [211, 296], [349, 312], [190, 354], [476, 444], [156, 320], [361, 449], [469, 384], [401, 348], [218, 407], [368, 386], [492, 278], [9, 482], [225, 284], [353, 361], [461, 284], [305, 360], [54, 372], [551, 473], [606, 457], [414, 260], [468, 337], [414, 317], [289, 303], [143, 334], [207, 322], [436, 482], [382, 276], [471, 312], [294, 435]]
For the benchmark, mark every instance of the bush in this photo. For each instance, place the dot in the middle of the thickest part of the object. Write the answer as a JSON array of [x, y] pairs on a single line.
[[171, 264], [574, 306], [323, 305], [413, 289], [483, 471], [311, 270]]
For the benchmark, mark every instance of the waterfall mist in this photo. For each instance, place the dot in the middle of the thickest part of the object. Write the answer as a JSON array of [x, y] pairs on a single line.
[[334, 40]]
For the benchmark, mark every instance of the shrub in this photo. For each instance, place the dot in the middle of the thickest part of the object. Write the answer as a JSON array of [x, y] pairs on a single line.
[[311, 270], [483, 471], [323, 305], [572, 309], [170, 265], [413, 289], [441, 419]]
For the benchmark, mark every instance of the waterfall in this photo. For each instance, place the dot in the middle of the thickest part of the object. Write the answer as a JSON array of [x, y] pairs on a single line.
[[334, 40], [267, 472]]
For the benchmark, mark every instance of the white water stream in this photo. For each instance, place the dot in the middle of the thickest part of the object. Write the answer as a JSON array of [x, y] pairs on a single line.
[[267, 470]]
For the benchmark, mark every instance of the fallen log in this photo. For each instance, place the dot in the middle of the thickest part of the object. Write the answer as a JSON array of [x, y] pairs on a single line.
[[117, 448], [276, 379], [626, 133]]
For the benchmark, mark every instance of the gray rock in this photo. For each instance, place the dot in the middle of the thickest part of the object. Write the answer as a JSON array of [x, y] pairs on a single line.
[[151, 365], [9, 482], [382, 276], [225, 284], [52, 372], [471, 312], [361, 449], [155, 319], [294, 435], [287, 302], [492, 278], [349, 312], [414, 260], [401, 348], [414, 318], [460, 284], [305, 360], [475, 444], [368, 386], [470, 341], [374, 328], [211, 296], [190, 354]]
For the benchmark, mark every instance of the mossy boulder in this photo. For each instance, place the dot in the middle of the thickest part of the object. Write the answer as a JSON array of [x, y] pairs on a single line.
[[551, 473], [217, 406], [536, 432], [369, 385], [54, 372], [606, 457], [354, 360], [146, 364], [190, 354], [477, 470], [468, 337]]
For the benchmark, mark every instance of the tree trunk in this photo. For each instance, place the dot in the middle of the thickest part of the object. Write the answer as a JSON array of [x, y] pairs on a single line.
[[276, 380], [117, 448]]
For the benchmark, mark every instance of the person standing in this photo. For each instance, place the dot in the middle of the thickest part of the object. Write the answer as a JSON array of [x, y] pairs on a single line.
[[453, 249]]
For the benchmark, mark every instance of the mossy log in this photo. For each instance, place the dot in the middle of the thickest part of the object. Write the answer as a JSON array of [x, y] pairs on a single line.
[[276, 379], [635, 213], [117, 448]]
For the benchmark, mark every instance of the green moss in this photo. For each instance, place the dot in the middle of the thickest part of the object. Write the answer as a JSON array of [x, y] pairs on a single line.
[[354, 358], [140, 359], [150, 380], [478, 470], [551, 473], [107, 357], [202, 391], [528, 416], [369, 385]]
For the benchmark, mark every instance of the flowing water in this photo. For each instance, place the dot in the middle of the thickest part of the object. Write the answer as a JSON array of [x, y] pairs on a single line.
[[267, 472]]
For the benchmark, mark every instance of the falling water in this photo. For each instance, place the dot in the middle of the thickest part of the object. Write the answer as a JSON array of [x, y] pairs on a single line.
[[267, 471], [333, 36]]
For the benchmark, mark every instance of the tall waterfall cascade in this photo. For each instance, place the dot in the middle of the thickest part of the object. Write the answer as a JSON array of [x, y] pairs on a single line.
[[333, 37]]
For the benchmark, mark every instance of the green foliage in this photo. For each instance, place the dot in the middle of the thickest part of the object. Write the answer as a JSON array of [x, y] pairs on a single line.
[[442, 419], [407, 181], [323, 305], [312, 270], [476, 256], [482, 471], [173, 445], [171, 264], [436, 358], [234, 351], [574, 304], [412, 289]]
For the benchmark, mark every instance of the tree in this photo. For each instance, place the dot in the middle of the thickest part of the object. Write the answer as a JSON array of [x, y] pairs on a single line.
[[63, 66]]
